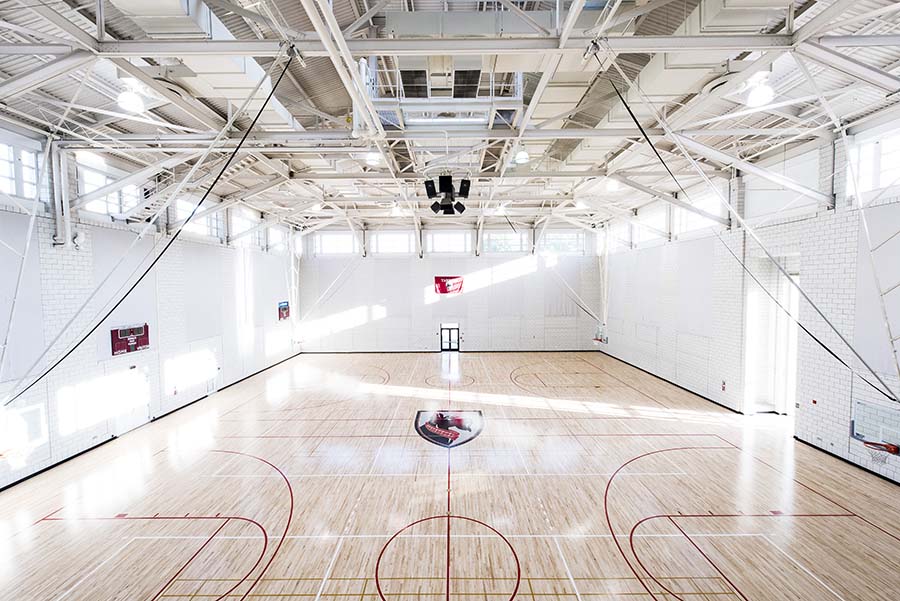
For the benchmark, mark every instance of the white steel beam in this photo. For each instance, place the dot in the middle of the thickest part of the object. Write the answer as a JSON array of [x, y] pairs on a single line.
[[627, 15], [822, 20], [133, 179], [254, 16], [850, 66], [44, 73], [670, 199], [268, 222], [526, 17], [726, 159], [448, 46], [365, 17]]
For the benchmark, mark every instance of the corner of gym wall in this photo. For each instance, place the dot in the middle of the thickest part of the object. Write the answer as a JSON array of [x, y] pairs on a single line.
[[213, 319]]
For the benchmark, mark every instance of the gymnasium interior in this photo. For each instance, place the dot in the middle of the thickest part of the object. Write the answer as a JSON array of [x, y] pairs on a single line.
[[449, 300]]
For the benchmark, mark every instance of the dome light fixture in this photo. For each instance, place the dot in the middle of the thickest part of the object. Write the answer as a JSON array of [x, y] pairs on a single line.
[[760, 93], [521, 157], [373, 158], [131, 101], [612, 185]]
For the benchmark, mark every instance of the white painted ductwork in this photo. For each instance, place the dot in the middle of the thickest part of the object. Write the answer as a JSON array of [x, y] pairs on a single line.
[[670, 76], [229, 77]]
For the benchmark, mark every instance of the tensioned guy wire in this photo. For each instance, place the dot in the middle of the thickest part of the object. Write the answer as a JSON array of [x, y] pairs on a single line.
[[887, 393], [174, 237]]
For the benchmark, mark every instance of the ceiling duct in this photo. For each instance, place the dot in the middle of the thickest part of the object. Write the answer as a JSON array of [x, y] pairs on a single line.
[[667, 77], [227, 77]]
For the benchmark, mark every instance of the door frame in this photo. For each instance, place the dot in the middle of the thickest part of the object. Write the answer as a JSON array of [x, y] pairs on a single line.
[[452, 338]]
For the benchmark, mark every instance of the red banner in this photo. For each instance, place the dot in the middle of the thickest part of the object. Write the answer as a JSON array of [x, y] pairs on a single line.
[[448, 284]]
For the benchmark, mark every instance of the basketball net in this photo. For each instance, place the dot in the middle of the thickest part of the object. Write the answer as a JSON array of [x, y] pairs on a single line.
[[878, 452]]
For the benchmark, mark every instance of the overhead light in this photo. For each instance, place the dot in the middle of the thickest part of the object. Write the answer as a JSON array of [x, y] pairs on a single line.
[[760, 95], [133, 84], [580, 204], [612, 185], [316, 207], [373, 159], [501, 210], [130, 101], [521, 157], [396, 211]]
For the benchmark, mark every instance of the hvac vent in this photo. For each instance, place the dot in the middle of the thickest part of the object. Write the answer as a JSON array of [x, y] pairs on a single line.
[[415, 83], [465, 83]]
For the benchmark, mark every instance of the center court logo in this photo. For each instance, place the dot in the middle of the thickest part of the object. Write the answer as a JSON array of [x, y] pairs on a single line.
[[447, 428]]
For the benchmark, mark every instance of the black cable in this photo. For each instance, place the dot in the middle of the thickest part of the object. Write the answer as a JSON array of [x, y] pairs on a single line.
[[738, 259], [169, 243]]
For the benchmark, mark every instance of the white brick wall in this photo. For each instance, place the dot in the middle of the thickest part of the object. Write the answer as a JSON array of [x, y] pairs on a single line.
[[825, 246], [67, 277], [510, 302]]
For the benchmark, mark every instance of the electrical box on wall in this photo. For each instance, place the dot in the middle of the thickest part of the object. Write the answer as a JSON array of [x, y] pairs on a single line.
[[128, 339]]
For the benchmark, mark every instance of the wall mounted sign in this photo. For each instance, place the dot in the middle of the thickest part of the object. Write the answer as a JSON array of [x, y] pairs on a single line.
[[128, 339], [448, 284], [284, 310]]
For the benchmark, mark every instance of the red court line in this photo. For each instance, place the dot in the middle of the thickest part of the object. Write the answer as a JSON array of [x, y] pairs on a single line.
[[454, 517], [187, 518], [849, 513], [832, 501], [609, 482], [187, 563], [710, 561], [449, 400], [671, 517], [287, 525], [48, 516]]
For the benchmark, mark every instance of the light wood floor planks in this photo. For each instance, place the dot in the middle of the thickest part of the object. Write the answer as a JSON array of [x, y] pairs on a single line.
[[591, 481]]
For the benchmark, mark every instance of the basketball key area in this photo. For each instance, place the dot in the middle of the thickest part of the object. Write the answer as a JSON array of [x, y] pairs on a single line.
[[495, 476]]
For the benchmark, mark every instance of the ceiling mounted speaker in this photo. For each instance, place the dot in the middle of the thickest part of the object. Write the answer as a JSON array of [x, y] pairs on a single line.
[[429, 188], [447, 208], [436, 206], [460, 207], [445, 184], [464, 188]]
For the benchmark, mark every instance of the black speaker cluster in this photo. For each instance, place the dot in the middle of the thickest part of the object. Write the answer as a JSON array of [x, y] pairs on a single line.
[[448, 205]]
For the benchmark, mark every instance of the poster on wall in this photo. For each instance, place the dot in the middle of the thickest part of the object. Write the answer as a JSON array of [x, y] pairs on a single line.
[[448, 284], [128, 339], [284, 310]]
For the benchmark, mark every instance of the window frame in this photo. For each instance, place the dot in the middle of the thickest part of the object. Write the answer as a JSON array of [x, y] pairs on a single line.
[[523, 236], [550, 234], [430, 239]]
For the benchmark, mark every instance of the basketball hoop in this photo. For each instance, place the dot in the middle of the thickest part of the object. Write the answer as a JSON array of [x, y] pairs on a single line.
[[879, 451]]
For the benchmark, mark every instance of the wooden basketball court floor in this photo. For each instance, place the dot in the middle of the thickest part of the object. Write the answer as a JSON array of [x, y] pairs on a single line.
[[590, 480]]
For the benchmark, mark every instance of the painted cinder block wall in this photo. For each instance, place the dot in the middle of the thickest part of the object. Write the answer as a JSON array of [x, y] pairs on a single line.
[[510, 301], [202, 300], [825, 243]]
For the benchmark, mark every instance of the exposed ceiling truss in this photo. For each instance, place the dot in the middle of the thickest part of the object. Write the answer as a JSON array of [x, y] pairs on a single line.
[[386, 95]]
